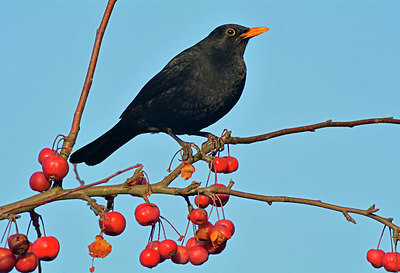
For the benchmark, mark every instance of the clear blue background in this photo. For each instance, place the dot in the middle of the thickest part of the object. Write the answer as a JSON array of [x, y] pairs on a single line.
[[320, 60]]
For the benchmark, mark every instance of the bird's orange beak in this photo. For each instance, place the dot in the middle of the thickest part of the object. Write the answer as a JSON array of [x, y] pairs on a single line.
[[254, 31]]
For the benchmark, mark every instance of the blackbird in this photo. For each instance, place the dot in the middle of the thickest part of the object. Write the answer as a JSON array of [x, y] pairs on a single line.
[[194, 90]]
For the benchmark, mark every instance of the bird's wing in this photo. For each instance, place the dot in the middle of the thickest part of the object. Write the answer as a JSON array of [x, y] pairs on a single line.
[[173, 74]]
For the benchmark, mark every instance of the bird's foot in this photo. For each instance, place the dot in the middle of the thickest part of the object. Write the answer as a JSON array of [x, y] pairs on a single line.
[[186, 146], [187, 150], [216, 142]]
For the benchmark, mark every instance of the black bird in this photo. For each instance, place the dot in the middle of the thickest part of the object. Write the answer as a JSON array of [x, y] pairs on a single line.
[[194, 90]]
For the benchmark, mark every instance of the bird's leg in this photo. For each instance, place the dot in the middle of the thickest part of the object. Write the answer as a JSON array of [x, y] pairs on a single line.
[[204, 134], [218, 145], [186, 146]]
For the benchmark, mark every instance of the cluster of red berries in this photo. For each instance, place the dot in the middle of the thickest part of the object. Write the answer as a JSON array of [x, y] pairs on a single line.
[[390, 260], [146, 214], [54, 168], [209, 238], [225, 164], [24, 255], [196, 250]]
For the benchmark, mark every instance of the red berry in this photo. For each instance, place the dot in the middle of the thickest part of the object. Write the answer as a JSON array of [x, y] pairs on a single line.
[[224, 230], [374, 256], [198, 216], [45, 153], [219, 199], [219, 235], [55, 167], [7, 260], [167, 249], [202, 201], [26, 262], [391, 261], [156, 246], [206, 244], [191, 243], [46, 248], [18, 243], [217, 249], [181, 255], [38, 182], [153, 245], [140, 206], [226, 223], [204, 231], [218, 164], [233, 164], [115, 225], [198, 255], [147, 214], [149, 257]]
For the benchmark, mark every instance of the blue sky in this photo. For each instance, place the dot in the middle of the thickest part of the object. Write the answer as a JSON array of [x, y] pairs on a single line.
[[320, 60]]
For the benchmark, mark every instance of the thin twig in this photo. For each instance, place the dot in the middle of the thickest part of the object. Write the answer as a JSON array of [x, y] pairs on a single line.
[[81, 182], [27, 206], [311, 128], [69, 141]]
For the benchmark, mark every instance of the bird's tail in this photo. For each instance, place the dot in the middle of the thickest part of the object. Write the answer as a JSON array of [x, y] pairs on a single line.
[[101, 148]]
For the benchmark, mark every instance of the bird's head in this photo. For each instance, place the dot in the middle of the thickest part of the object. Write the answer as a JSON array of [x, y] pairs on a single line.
[[232, 38]]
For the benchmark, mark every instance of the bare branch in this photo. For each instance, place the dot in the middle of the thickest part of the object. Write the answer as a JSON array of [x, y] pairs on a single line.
[[55, 193], [311, 128], [69, 141]]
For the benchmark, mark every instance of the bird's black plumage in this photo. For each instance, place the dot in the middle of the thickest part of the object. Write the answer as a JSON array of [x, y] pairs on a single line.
[[194, 90]]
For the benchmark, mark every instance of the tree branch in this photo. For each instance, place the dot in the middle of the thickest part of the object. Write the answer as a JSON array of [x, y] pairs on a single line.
[[84, 192], [311, 128], [69, 141], [54, 194]]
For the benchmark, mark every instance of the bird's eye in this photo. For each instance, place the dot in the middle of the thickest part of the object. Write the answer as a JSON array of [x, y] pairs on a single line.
[[230, 31]]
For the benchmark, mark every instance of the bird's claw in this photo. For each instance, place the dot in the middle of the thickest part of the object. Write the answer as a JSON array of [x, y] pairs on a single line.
[[187, 151], [216, 142]]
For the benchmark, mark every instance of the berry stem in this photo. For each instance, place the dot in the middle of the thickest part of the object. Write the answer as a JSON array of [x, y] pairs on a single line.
[[58, 142], [8, 227], [212, 207], [222, 209], [172, 160], [180, 236], [391, 241], [184, 236], [16, 226], [44, 230], [159, 231], [162, 225], [383, 231], [151, 234], [216, 178], [216, 210], [209, 174]]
